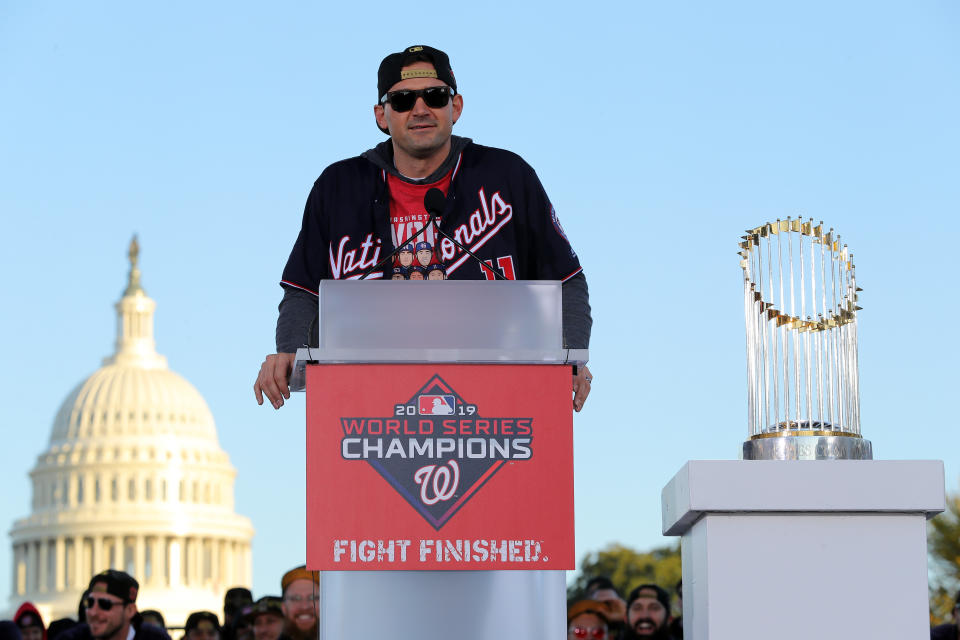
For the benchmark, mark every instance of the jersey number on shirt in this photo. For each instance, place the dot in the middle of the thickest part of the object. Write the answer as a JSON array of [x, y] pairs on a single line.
[[506, 266]]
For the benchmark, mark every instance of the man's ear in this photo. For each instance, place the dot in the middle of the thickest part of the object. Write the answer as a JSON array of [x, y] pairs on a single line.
[[380, 114], [457, 107]]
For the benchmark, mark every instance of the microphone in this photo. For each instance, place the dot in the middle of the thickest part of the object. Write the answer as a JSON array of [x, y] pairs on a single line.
[[434, 202]]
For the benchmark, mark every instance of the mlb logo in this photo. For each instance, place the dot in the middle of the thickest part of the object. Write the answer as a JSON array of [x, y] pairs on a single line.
[[436, 405]]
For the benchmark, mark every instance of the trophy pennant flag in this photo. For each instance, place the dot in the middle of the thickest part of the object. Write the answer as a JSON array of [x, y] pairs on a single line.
[[800, 303]]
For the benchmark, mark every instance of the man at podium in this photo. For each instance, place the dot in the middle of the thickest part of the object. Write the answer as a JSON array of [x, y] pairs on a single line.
[[486, 216]]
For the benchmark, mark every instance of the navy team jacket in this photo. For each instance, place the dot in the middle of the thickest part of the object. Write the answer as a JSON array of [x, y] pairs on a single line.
[[496, 207]]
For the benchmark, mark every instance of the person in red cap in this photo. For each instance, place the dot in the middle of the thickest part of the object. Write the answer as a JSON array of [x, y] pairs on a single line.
[[30, 622]]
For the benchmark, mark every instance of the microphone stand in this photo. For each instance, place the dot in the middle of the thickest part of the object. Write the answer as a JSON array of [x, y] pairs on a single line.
[[483, 265]]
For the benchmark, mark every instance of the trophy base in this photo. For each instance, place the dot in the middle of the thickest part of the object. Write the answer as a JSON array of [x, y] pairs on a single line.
[[808, 447]]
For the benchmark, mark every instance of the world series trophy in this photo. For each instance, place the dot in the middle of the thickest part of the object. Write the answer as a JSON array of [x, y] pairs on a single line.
[[800, 303], [806, 478]]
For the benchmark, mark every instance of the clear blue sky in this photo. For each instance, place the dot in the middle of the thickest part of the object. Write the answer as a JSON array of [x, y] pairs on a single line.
[[660, 130]]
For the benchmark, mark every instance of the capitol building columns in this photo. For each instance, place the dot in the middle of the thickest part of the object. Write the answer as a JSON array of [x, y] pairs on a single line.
[[133, 478]]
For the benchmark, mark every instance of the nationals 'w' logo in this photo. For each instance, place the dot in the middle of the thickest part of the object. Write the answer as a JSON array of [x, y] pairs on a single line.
[[437, 483], [436, 449]]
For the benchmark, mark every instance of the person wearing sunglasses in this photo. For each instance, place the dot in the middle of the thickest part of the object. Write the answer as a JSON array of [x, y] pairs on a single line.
[[361, 209], [587, 620], [110, 610]]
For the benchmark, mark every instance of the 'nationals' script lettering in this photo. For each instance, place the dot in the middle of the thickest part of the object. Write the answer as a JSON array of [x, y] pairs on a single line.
[[344, 263], [484, 223]]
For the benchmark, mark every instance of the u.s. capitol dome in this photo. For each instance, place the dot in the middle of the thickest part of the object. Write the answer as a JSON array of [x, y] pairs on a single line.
[[133, 479]]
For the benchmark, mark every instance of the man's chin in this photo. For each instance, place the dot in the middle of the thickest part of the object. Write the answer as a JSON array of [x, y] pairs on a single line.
[[296, 633]]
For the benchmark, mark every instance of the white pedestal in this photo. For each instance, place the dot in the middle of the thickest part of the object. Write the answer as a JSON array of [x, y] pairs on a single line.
[[804, 549]]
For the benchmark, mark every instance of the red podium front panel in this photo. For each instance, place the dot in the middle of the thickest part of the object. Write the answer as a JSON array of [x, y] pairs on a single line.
[[455, 466]]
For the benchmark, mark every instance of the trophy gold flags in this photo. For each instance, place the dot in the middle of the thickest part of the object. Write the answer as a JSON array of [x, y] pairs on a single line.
[[800, 302]]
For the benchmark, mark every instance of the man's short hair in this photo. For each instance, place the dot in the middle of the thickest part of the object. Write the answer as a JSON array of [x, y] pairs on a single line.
[[235, 599], [153, 613], [195, 618], [266, 604], [59, 626], [598, 584]]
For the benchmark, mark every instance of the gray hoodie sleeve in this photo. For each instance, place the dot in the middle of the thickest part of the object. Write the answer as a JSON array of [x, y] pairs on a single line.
[[298, 316], [297, 323], [576, 313]]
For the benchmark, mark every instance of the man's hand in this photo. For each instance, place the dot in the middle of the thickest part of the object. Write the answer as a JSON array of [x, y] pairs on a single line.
[[274, 379], [616, 609], [581, 387]]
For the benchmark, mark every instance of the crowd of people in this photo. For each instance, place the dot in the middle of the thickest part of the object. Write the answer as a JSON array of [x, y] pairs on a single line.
[[108, 610], [604, 614]]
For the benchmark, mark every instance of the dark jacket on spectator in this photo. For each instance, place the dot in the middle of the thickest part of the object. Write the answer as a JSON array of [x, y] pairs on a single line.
[[944, 632], [143, 632]]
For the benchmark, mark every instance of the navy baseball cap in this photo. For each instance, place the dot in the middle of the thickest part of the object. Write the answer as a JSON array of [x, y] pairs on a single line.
[[117, 583], [421, 246], [391, 68], [407, 247]]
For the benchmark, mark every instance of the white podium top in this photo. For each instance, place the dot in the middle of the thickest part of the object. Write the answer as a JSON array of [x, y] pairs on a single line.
[[765, 486]]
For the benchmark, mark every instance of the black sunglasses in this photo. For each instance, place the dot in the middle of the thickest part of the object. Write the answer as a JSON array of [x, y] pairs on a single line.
[[103, 603], [403, 100]]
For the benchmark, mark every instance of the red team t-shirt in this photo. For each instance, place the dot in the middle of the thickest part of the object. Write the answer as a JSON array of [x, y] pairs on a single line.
[[407, 217]]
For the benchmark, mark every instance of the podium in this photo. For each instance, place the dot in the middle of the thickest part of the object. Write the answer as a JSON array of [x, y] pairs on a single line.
[[439, 459]]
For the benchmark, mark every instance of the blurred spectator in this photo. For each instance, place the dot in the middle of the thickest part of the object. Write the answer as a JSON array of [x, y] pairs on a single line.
[[242, 627], [59, 626], [31, 624], [233, 603], [9, 630], [950, 631], [602, 590], [676, 625], [82, 608], [301, 603], [154, 617], [648, 613], [587, 620], [266, 618], [597, 582], [202, 625]]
